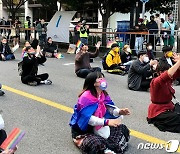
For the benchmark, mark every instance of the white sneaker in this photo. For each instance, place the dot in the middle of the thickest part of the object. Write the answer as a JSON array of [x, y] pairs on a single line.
[[47, 82]]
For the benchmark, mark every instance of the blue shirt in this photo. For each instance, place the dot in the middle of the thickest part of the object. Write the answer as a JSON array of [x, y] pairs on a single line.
[[169, 25]]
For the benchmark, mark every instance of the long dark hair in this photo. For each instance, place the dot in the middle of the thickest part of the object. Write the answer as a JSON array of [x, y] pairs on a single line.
[[34, 44], [90, 81]]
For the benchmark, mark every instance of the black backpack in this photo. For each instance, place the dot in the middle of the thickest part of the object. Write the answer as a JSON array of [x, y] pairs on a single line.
[[20, 68], [105, 66]]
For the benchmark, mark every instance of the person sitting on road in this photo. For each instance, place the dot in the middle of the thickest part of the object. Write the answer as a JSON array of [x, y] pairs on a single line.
[[1, 91], [113, 61], [27, 44], [126, 56], [139, 72], [95, 125], [168, 59], [82, 61], [50, 48], [5, 51], [30, 68], [150, 51], [162, 112], [35, 44]]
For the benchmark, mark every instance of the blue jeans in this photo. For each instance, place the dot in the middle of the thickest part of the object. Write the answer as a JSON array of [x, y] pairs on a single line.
[[84, 40], [10, 56], [42, 39], [82, 73]]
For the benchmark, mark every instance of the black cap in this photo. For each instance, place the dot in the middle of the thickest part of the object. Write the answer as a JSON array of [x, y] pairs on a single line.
[[28, 17], [142, 52], [114, 45], [166, 49]]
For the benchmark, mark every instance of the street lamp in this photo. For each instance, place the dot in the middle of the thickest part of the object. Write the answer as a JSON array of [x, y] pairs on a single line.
[[143, 7]]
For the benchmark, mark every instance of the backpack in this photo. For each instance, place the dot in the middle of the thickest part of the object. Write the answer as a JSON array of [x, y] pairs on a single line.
[[105, 66], [20, 68]]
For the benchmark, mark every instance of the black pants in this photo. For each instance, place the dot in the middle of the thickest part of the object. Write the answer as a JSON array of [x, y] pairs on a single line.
[[167, 121], [27, 35], [37, 78], [82, 73], [145, 85], [3, 136]]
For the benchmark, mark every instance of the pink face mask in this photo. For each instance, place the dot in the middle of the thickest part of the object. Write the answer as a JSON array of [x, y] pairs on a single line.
[[103, 84]]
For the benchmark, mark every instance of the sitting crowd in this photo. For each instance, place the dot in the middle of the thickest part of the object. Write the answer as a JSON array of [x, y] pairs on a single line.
[[96, 119]]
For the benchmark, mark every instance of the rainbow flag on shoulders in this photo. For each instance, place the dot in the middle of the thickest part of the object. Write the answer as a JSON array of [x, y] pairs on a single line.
[[13, 139]]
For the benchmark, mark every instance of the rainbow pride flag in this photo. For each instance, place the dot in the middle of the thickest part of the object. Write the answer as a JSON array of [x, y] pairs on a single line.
[[79, 44], [13, 139], [59, 56]]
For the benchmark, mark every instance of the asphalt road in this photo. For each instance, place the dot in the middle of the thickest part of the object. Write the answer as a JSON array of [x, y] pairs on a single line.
[[47, 129]]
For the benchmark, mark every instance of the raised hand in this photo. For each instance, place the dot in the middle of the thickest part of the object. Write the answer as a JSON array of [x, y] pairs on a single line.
[[114, 122], [98, 44], [176, 57], [124, 111]]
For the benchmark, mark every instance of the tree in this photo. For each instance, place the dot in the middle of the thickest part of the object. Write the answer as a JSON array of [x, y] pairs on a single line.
[[109, 7], [13, 6]]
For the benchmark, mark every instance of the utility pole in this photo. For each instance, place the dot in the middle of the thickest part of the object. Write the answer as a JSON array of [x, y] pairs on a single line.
[[143, 7]]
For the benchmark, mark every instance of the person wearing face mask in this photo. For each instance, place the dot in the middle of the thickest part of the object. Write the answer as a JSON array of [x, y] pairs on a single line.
[[150, 51], [5, 51], [96, 119], [82, 61], [170, 26], [126, 56], [113, 60], [41, 28], [30, 63], [140, 72], [168, 59]]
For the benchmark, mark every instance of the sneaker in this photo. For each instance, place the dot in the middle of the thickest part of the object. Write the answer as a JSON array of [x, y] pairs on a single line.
[[33, 83], [108, 151], [47, 82], [2, 93]]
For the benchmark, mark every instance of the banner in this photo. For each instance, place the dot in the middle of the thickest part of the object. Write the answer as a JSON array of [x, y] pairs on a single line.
[[58, 27]]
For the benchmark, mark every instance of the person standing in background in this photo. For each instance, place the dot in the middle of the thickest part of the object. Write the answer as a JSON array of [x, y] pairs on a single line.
[[84, 32], [27, 24], [158, 21], [77, 32], [169, 25], [42, 31]]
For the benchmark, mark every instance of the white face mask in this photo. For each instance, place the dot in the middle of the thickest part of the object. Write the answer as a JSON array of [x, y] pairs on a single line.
[[149, 47], [146, 59], [128, 50]]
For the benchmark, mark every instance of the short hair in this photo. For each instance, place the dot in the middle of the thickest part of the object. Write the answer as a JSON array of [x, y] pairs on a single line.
[[148, 44], [142, 52], [169, 14], [166, 48], [49, 38], [114, 45], [162, 66], [157, 14], [4, 38], [27, 48]]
